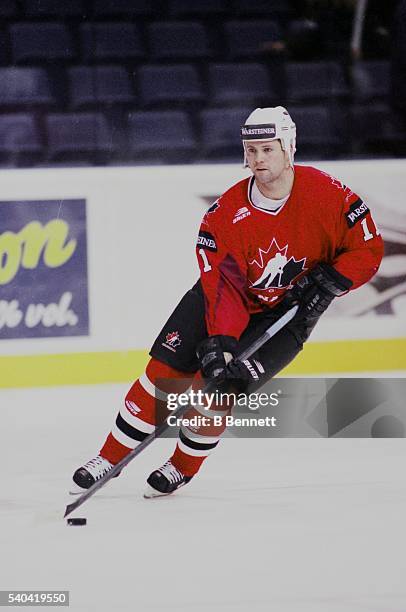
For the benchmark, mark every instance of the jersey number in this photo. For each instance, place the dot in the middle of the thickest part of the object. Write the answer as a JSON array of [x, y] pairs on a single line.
[[207, 266], [367, 233]]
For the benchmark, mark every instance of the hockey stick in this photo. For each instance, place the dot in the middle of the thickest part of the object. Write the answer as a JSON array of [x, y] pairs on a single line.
[[178, 412]]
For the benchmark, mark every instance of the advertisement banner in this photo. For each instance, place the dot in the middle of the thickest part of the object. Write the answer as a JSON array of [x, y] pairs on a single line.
[[43, 269]]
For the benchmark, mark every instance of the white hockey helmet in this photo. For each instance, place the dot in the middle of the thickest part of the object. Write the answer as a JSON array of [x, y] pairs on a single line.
[[273, 123]]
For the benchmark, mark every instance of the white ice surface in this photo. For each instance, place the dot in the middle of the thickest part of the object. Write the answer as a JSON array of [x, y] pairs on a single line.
[[281, 525]]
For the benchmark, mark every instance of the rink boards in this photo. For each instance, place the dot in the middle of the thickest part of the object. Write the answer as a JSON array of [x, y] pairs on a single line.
[[92, 261]]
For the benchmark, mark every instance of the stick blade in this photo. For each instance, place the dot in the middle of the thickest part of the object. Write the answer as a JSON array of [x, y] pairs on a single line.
[[71, 507]]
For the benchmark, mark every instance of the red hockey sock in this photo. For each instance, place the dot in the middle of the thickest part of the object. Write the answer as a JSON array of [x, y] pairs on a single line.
[[188, 465], [112, 450], [195, 443], [137, 418]]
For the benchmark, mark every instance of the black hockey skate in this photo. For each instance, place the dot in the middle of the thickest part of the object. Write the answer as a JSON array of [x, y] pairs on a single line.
[[166, 480], [89, 473]]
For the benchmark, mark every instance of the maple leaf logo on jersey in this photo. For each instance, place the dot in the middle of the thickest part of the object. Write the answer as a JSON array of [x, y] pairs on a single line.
[[278, 270], [173, 339], [213, 207], [210, 211]]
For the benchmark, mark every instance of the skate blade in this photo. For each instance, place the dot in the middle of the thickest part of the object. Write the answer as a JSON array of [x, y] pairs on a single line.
[[76, 489], [150, 493]]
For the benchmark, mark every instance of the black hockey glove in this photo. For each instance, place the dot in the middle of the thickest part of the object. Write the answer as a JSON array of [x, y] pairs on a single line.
[[243, 373], [315, 291], [216, 358], [214, 353]]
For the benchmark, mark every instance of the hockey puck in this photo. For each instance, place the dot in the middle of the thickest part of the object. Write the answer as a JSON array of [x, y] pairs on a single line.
[[77, 521]]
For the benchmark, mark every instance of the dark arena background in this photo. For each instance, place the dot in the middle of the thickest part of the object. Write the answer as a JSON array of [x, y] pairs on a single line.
[[119, 127]]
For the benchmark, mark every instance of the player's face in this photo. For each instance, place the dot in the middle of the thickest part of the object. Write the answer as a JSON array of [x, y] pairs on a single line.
[[266, 160]]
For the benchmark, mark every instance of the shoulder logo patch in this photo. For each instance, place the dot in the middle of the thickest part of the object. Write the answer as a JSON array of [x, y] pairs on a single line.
[[205, 240], [357, 211]]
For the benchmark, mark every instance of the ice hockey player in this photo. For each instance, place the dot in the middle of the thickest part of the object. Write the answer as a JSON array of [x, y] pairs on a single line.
[[287, 234]]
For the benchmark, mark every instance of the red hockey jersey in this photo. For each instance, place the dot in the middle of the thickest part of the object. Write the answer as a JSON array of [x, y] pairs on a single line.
[[249, 257]]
